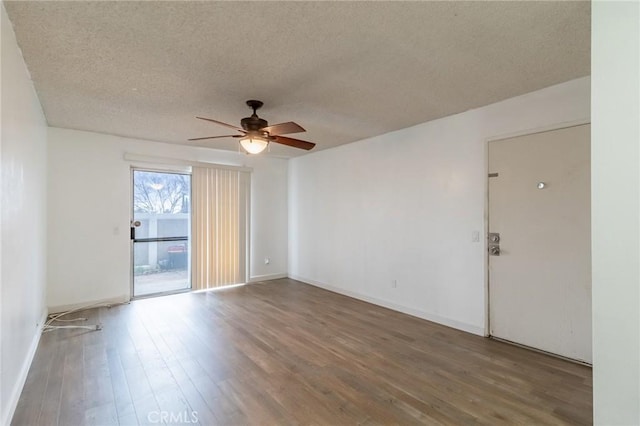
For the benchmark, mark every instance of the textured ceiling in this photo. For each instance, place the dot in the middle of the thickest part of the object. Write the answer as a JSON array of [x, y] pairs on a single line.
[[343, 70]]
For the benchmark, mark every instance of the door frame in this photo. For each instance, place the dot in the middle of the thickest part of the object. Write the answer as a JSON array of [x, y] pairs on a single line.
[[181, 170], [485, 240]]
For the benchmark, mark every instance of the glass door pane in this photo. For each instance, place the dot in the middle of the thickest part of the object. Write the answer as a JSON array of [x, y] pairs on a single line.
[[161, 232]]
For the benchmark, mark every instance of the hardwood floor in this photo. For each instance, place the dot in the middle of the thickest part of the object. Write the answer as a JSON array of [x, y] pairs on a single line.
[[282, 352]]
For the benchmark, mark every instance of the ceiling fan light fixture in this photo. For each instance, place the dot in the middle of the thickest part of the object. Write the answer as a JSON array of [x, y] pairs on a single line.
[[253, 144]]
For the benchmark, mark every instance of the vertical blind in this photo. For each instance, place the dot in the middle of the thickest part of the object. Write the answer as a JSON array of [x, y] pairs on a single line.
[[219, 227]]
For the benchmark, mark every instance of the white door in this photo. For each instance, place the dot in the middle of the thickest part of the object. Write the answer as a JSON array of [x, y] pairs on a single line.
[[539, 204]]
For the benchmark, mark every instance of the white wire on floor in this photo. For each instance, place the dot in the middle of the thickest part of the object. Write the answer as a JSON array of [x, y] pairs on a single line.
[[49, 326]]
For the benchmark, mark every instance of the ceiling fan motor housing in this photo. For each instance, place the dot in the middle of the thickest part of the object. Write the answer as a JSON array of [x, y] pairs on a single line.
[[253, 123]]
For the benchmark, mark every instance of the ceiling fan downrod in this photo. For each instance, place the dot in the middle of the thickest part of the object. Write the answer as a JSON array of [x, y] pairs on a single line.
[[255, 105]]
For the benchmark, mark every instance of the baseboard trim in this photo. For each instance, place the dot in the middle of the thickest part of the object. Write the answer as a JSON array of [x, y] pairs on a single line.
[[542, 351], [89, 304], [24, 371], [458, 325], [267, 277]]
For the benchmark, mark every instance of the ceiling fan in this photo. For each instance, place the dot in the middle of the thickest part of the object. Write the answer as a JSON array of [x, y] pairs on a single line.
[[256, 132]]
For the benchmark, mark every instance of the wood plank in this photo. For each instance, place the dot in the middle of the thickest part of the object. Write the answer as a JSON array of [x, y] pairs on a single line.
[[283, 352]]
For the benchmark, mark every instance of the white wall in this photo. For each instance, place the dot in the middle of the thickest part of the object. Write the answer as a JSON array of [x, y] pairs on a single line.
[[23, 152], [403, 206], [89, 212], [615, 62]]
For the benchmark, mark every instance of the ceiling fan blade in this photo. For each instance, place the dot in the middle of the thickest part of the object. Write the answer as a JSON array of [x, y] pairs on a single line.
[[296, 143], [214, 137], [283, 128], [231, 126]]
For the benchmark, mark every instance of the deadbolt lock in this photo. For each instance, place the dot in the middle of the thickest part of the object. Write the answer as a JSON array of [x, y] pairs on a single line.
[[494, 250], [494, 237]]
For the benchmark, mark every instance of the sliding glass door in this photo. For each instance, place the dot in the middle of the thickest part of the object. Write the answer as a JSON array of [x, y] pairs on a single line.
[[160, 232]]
